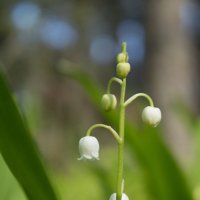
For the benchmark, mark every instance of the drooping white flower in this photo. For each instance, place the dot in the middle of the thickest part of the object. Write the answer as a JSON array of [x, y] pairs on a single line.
[[124, 197], [151, 115], [89, 148]]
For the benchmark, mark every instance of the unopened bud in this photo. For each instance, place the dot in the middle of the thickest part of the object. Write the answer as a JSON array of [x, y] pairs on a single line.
[[151, 116], [121, 57], [123, 69], [108, 102]]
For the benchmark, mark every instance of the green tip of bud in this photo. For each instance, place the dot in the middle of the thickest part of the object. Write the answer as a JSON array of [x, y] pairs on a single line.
[[123, 55], [108, 102], [124, 47], [123, 67]]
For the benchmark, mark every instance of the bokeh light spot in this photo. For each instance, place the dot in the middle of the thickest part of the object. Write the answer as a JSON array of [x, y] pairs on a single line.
[[190, 16], [133, 33], [58, 34], [25, 15]]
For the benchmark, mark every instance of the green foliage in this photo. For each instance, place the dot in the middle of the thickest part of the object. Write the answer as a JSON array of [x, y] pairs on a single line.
[[10, 189], [19, 150], [192, 122]]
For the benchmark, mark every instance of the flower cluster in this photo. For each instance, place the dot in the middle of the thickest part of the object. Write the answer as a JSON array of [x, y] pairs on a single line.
[[89, 145]]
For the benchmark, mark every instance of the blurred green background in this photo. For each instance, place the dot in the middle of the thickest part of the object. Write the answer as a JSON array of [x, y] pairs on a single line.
[[59, 56]]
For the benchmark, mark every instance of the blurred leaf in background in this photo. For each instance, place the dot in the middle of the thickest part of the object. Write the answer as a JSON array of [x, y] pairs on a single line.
[[18, 149], [10, 188]]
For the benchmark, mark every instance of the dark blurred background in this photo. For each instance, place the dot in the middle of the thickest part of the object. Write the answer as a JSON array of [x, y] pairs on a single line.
[[163, 42]]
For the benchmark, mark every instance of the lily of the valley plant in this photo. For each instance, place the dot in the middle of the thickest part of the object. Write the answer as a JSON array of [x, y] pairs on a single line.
[[89, 145]]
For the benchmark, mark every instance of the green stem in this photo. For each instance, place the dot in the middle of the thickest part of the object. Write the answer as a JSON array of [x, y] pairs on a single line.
[[110, 83], [112, 131], [131, 99], [121, 145]]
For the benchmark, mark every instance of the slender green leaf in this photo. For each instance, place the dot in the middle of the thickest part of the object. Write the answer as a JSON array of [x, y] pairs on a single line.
[[19, 151]]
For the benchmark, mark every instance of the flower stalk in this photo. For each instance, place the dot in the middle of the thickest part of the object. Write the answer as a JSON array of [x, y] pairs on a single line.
[[135, 96], [121, 146], [89, 146], [109, 128], [113, 79]]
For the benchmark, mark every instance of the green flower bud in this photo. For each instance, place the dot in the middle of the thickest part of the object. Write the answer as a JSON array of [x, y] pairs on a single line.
[[123, 69], [121, 57], [108, 102]]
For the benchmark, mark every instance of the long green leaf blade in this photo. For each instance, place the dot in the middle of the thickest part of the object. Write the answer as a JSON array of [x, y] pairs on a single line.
[[19, 151]]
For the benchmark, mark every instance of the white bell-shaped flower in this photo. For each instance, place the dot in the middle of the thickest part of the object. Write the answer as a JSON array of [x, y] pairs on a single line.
[[124, 197], [151, 115], [89, 148]]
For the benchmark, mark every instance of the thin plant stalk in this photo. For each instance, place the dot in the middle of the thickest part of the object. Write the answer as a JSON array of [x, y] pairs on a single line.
[[121, 145], [89, 146]]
